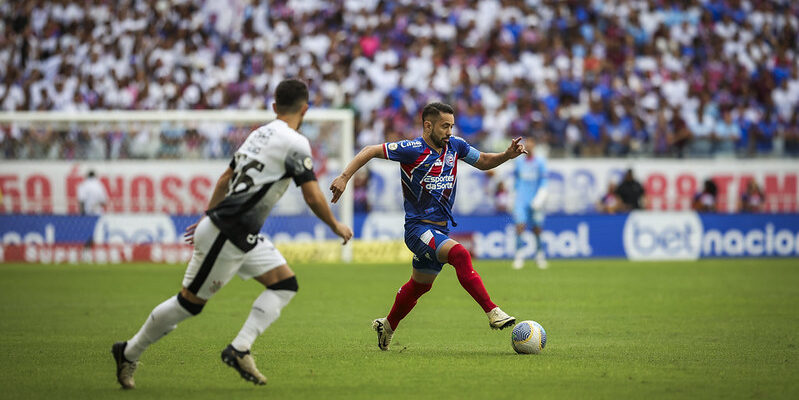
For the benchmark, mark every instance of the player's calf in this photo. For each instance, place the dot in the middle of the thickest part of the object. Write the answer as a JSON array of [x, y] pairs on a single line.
[[469, 278]]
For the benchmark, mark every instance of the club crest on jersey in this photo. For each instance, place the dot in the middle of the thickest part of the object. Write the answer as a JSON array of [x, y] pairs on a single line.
[[450, 159], [392, 146]]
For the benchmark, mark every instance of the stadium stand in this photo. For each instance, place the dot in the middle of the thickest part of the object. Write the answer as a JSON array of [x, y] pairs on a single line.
[[687, 78]]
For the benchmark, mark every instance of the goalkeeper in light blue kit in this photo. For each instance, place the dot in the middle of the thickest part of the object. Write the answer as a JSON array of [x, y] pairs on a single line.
[[530, 176]]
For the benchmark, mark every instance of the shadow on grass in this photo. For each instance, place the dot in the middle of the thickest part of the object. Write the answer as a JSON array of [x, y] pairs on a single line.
[[179, 390], [448, 352]]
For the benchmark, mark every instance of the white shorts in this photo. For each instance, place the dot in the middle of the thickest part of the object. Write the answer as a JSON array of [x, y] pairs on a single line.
[[216, 259]]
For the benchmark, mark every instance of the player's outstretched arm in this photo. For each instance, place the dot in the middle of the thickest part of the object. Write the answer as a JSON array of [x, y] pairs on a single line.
[[363, 157], [313, 196], [492, 160]]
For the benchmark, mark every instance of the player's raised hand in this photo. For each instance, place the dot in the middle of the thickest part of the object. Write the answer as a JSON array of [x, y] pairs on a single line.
[[516, 148], [337, 187], [343, 231]]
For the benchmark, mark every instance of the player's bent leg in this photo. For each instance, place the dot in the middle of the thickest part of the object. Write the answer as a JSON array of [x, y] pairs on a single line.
[[406, 298], [460, 258], [163, 319], [281, 286]]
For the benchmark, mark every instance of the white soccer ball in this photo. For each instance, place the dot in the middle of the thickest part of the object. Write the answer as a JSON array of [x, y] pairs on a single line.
[[528, 337]]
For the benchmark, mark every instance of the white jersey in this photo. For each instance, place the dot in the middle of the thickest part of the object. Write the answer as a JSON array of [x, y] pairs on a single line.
[[91, 194], [262, 167]]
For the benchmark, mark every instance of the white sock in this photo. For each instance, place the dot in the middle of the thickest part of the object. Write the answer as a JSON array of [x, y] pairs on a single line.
[[265, 310], [163, 319], [538, 250]]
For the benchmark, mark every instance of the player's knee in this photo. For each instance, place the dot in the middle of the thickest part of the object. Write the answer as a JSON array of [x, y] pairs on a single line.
[[458, 255], [289, 284], [422, 288], [193, 308]]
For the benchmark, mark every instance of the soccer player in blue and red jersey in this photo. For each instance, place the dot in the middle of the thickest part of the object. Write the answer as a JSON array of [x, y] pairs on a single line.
[[428, 168]]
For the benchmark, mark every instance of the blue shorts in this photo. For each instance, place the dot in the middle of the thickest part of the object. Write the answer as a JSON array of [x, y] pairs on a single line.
[[424, 240], [523, 213]]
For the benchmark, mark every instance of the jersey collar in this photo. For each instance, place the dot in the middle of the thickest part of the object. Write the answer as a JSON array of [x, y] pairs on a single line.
[[443, 149]]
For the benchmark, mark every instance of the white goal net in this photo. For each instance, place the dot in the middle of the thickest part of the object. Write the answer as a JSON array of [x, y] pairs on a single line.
[[158, 163]]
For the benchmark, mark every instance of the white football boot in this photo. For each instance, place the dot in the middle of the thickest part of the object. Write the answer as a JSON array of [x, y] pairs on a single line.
[[498, 319], [541, 260], [384, 333], [518, 261], [243, 362]]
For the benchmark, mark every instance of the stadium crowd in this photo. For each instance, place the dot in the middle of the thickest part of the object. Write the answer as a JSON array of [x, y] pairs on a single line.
[[693, 78]]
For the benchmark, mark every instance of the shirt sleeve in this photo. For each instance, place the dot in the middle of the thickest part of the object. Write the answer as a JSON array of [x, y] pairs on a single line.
[[544, 174], [465, 151], [299, 164], [404, 151]]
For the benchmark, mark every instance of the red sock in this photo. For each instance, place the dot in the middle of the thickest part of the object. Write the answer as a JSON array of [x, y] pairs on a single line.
[[405, 300], [469, 278]]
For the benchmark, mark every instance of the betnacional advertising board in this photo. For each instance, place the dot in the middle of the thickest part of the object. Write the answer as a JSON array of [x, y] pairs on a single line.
[[643, 235]]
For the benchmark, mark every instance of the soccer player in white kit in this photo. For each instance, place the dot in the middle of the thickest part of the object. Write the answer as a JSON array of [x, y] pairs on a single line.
[[227, 240]]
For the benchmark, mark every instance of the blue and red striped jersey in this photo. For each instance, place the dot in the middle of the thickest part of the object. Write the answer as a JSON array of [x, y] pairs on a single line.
[[429, 177]]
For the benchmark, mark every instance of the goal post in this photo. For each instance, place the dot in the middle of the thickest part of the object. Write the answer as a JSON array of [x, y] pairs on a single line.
[[331, 131]]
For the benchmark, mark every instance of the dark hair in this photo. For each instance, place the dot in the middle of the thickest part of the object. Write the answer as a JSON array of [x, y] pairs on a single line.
[[710, 187], [290, 96], [435, 109], [90, 174]]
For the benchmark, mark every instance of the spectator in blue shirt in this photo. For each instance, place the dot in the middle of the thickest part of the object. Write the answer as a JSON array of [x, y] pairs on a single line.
[[618, 133], [726, 135], [594, 128], [570, 87], [556, 126], [470, 123], [764, 133]]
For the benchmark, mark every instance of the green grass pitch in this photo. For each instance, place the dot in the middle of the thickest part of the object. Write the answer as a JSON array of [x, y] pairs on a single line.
[[616, 329]]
